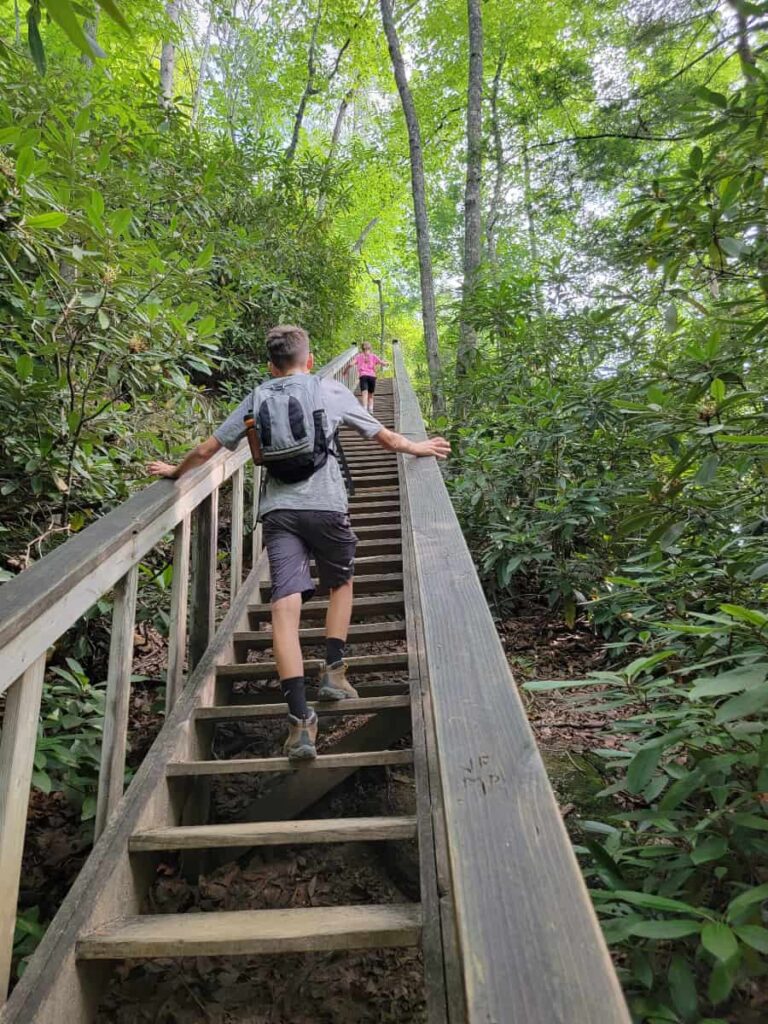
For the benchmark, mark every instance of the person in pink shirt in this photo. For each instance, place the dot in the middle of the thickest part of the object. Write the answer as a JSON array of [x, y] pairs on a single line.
[[367, 363]]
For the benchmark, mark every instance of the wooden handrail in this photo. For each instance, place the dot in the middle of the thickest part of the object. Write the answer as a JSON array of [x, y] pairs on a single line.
[[530, 946]]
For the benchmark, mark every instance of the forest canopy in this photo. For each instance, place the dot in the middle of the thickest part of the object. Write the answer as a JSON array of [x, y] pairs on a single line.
[[560, 211]]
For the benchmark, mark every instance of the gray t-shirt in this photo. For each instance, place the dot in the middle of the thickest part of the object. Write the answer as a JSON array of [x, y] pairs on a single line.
[[324, 490]]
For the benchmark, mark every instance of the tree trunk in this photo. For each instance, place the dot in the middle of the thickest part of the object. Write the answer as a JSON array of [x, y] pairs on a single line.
[[168, 59], [744, 46], [358, 246], [533, 246], [203, 69], [498, 160], [428, 311], [309, 88], [473, 231], [336, 135]]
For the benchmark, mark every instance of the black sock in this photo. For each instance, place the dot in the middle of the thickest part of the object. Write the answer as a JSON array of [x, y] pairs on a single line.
[[294, 691], [334, 650]]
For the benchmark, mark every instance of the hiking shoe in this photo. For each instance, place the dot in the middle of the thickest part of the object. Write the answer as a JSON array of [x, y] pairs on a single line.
[[334, 684], [302, 733]]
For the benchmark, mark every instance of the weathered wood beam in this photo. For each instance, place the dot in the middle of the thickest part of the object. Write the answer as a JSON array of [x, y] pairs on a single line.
[[204, 555], [17, 755], [115, 734], [177, 630]]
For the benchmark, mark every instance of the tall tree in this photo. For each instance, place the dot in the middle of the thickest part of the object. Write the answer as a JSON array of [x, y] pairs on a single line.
[[426, 277], [202, 73], [168, 57], [494, 209], [473, 229]]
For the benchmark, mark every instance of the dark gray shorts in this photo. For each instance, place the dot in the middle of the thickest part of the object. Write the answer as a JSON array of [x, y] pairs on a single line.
[[292, 536]]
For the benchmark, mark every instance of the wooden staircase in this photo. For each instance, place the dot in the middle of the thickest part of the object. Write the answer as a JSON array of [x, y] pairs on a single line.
[[504, 922], [374, 473]]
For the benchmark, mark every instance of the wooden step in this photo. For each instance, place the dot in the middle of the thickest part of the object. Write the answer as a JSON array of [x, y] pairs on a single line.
[[238, 932], [375, 505], [382, 583], [251, 765], [274, 833], [379, 532], [365, 664], [371, 564], [316, 608], [361, 633], [391, 517], [377, 494], [246, 712]]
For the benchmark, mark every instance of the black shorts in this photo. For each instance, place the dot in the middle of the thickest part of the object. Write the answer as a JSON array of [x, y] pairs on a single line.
[[367, 384], [292, 536]]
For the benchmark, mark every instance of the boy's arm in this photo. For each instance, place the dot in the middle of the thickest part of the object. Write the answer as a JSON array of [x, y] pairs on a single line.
[[394, 442], [204, 451]]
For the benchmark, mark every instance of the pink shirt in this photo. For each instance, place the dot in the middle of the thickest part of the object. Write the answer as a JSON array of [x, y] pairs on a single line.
[[366, 363]]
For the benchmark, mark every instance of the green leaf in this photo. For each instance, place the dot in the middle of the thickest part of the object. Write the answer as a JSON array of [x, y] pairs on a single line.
[[731, 246], [671, 535], [671, 929], [24, 366], [120, 221], [753, 821], [747, 703], [754, 936], [115, 13], [716, 99], [734, 681], [760, 572], [717, 390], [206, 326], [54, 219], [720, 983], [747, 899], [744, 438], [651, 902], [62, 13], [750, 615], [719, 940], [710, 849], [642, 767], [682, 987], [708, 470], [36, 47], [42, 781], [695, 158], [25, 164]]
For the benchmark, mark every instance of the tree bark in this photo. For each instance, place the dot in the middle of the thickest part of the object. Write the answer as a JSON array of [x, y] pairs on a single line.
[[473, 235], [309, 88], [348, 97], [744, 46], [168, 59], [494, 210], [203, 69], [429, 315], [530, 218]]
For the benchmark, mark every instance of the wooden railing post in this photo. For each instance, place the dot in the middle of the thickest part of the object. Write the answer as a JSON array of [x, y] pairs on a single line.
[[177, 630], [204, 549], [17, 754], [236, 543], [115, 736], [256, 534]]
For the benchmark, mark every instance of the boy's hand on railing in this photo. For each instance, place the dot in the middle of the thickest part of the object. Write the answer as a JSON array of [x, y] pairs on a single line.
[[162, 469], [437, 446]]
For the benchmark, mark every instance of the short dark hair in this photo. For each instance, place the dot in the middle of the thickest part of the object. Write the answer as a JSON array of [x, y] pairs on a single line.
[[287, 346]]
